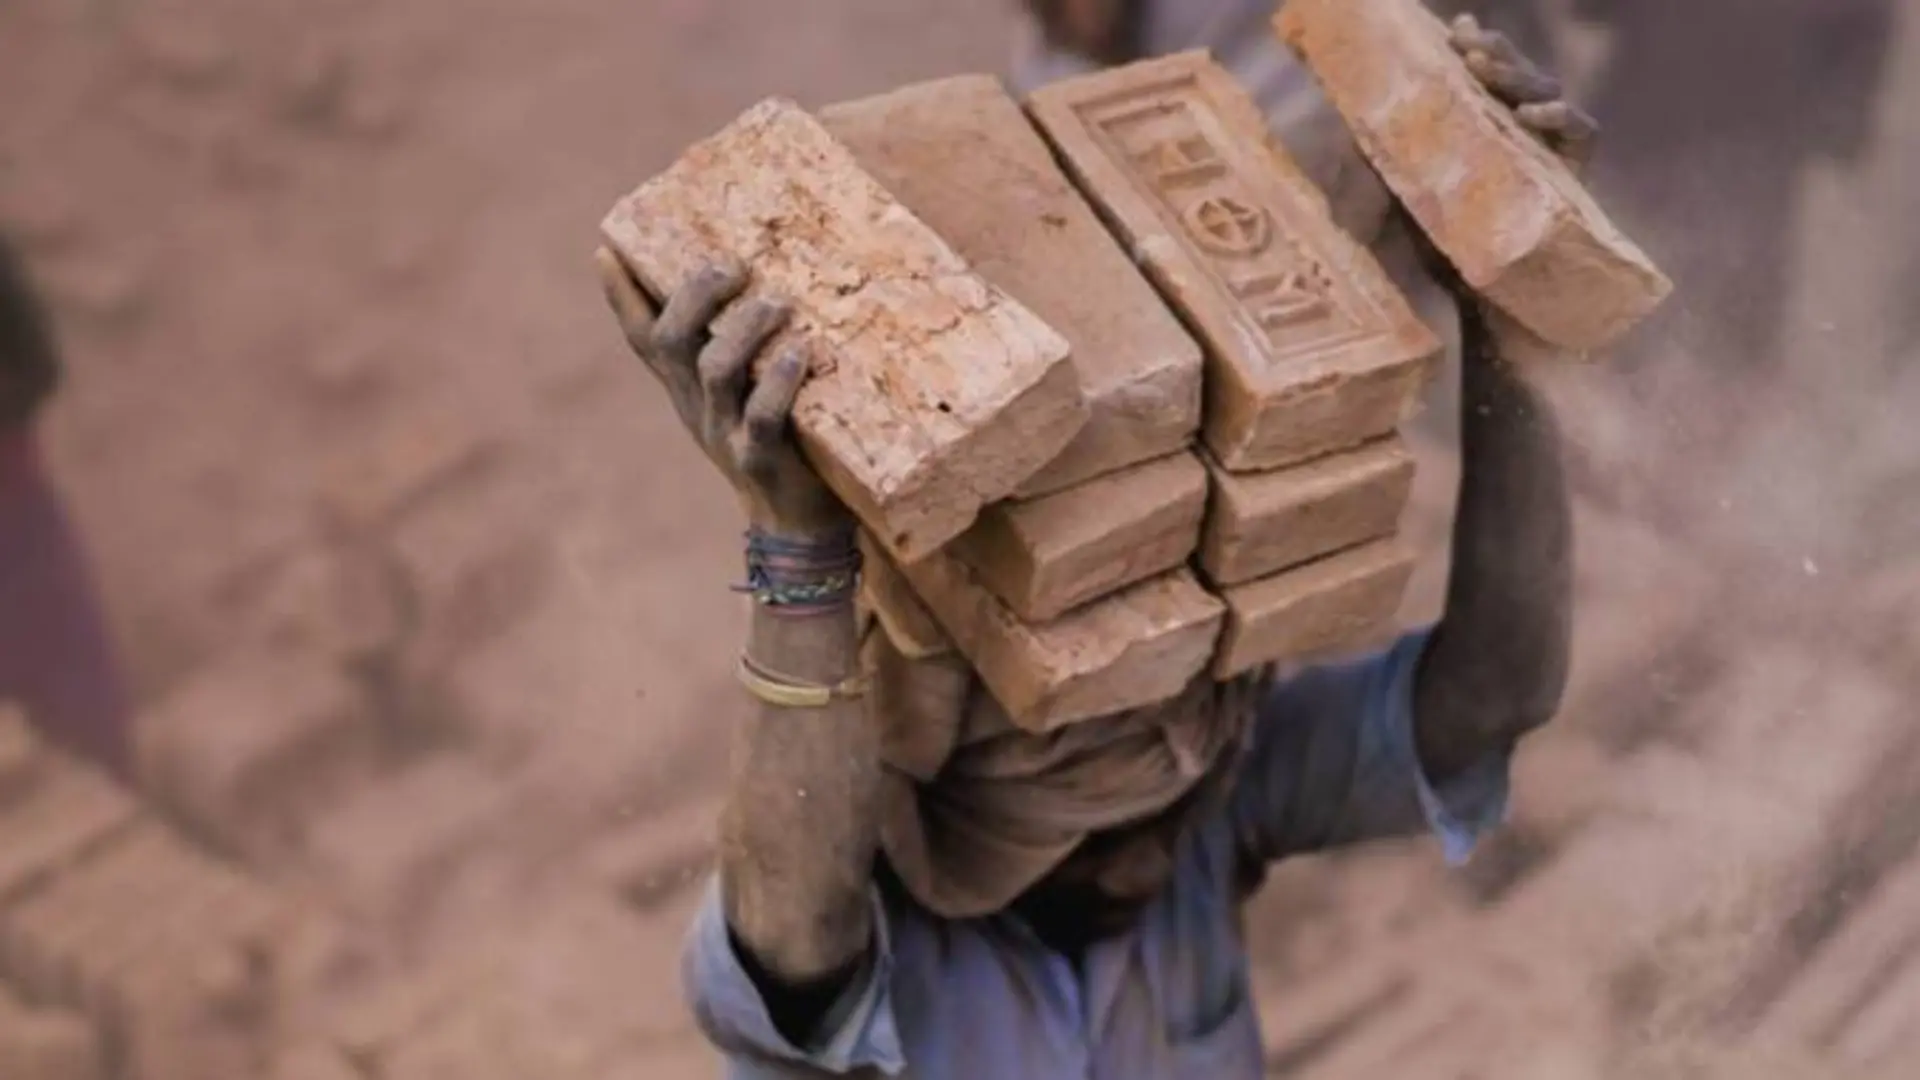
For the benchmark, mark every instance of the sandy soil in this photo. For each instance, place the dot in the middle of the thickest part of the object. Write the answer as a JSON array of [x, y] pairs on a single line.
[[400, 542]]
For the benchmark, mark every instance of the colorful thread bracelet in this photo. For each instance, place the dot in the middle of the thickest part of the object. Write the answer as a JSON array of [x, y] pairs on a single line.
[[801, 577]]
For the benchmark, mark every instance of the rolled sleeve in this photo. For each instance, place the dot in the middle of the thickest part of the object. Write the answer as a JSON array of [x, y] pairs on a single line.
[[1332, 761], [857, 1033]]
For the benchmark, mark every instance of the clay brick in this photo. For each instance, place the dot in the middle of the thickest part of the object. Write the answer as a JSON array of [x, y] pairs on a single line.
[[1331, 604], [1046, 556], [374, 1021], [1850, 967], [1310, 347], [1261, 523], [128, 921], [402, 467], [1137, 647], [933, 392], [67, 811], [588, 981], [938, 147], [314, 1063], [233, 749], [45, 1045], [886, 594], [654, 858], [389, 850], [1514, 221]]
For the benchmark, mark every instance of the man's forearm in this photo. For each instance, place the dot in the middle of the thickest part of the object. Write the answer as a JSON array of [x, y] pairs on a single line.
[[1497, 664], [799, 832]]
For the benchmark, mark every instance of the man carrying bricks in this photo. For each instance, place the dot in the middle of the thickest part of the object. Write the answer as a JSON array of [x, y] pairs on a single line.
[[55, 656], [1066, 904]]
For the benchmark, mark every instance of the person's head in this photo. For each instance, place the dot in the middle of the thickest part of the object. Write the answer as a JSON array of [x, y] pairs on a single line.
[[28, 365], [1111, 876], [1102, 31]]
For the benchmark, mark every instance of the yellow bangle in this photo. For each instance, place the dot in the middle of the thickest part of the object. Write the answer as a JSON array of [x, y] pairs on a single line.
[[786, 693]]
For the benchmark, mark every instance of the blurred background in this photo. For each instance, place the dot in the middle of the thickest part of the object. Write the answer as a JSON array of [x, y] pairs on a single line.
[[420, 592]]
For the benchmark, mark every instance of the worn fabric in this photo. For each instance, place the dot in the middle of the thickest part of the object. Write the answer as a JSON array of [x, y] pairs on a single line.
[[1238, 33], [970, 829], [1329, 761]]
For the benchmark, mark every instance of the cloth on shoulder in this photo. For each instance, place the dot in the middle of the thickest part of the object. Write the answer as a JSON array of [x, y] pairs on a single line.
[[975, 810]]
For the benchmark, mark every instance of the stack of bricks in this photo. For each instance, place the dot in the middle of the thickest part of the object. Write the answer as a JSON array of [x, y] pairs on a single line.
[[132, 952], [1314, 356], [1114, 397], [1111, 393], [1163, 384]]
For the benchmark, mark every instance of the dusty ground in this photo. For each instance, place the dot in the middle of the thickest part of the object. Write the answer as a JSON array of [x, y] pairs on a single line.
[[425, 592]]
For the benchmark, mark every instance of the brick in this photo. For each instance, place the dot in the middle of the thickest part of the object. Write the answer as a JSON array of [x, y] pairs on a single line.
[[1849, 968], [138, 915], [233, 749], [45, 1045], [374, 1021], [587, 981], [888, 596], [66, 812], [1262, 523], [655, 857], [1884, 1033], [937, 147], [126, 934], [402, 467], [1044, 557], [1301, 1019], [933, 392], [1328, 605], [1509, 215], [1134, 648], [1310, 347], [315, 1062], [389, 850]]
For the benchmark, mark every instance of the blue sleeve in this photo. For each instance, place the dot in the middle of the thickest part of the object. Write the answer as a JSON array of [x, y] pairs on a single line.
[[1331, 760], [858, 1032]]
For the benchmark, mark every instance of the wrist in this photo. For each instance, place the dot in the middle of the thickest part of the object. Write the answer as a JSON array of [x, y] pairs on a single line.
[[797, 573], [828, 533]]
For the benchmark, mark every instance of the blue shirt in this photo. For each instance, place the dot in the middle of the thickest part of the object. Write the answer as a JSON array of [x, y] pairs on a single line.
[[1331, 762]]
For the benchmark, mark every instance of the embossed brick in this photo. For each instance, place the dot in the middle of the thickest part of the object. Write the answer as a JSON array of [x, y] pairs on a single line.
[[1044, 557], [1133, 648], [1261, 523], [933, 392], [1327, 605], [1509, 215], [1310, 347], [962, 156]]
